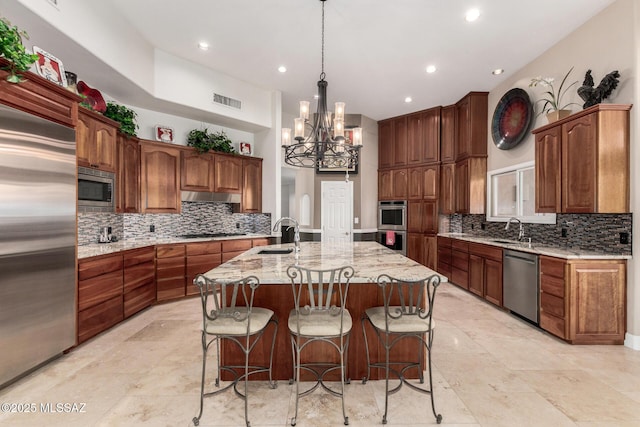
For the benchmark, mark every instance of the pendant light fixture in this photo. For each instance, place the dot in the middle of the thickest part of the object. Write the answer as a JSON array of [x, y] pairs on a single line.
[[324, 146]]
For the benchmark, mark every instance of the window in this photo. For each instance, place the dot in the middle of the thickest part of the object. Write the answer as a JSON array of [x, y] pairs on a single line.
[[512, 193]]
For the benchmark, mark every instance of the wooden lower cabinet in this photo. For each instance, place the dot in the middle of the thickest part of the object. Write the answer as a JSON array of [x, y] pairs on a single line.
[[583, 301], [485, 272], [233, 248], [422, 248], [170, 271], [460, 263], [444, 256], [100, 295], [201, 257], [139, 279]]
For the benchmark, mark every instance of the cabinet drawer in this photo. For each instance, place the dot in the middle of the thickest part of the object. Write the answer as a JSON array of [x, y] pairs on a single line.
[[486, 251], [552, 324], [460, 260], [444, 242], [236, 245], [138, 275], [139, 298], [99, 289], [552, 267], [170, 267], [204, 248], [170, 251], [96, 266], [552, 305], [170, 288], [98, 318], [460, 277], [260, 242], [444, 268], [552, 285], [444, 255], [139, 256], [226, 256], [461, 245]]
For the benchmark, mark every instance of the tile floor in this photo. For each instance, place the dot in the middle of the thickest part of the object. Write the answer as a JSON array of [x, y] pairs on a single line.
[[490, 369]]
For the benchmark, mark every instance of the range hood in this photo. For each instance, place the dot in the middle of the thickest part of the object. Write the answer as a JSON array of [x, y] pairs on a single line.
[[203, 196]]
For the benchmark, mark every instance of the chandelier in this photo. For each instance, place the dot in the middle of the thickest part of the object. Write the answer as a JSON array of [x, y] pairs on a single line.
[[325, 145]]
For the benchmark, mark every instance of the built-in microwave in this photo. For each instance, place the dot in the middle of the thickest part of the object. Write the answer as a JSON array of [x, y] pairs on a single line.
[[392, 215], [96, 190]]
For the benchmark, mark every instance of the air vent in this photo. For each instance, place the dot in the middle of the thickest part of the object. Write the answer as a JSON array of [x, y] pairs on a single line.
[[225, 100]]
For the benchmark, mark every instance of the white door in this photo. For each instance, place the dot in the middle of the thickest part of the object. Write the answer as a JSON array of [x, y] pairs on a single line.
[[337, 211]]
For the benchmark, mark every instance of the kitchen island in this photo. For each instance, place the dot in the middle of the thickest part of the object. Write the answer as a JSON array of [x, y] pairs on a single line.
[[369, 260]]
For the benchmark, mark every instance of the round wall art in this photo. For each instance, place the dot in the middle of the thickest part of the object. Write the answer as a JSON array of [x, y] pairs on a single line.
[[511, 119]]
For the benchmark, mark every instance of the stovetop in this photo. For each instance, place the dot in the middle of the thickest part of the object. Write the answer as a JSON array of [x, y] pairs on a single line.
[[204, 235]]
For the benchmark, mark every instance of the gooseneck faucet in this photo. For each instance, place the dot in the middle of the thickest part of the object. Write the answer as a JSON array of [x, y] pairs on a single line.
[[296, 231], [521, 229]]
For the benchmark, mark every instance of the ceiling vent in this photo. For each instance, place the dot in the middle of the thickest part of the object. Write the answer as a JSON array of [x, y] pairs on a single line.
[[225, 100]]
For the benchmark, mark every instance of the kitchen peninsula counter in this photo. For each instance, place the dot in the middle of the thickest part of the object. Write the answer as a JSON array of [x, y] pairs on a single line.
[[369, 259]]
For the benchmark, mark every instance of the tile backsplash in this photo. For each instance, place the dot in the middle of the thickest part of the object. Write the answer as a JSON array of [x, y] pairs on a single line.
[[196, 217], [596, 232]]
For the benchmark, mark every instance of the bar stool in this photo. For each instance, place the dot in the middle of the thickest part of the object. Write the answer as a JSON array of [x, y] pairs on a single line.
[[320, 297], [228, 313], [407, 313]]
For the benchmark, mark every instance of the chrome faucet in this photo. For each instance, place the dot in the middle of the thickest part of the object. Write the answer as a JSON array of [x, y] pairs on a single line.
[[521, 229], [296, 231]]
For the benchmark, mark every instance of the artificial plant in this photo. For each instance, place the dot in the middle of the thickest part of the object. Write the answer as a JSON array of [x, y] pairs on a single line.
[[203, 141], [123, 115], [12, 49]]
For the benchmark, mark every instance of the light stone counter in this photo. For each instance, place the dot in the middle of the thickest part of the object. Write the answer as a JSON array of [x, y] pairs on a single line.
[[95, 249], [565, 253], [369, 260]]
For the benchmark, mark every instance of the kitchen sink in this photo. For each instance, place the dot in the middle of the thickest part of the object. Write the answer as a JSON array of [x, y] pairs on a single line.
[[275, 251], [508, 242]]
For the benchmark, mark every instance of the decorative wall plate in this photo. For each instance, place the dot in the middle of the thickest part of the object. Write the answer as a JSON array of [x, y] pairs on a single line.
[[511, 119], [93, 97]]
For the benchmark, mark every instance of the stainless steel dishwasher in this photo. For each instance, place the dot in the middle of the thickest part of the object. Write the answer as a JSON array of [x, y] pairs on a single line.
[[520, 283]]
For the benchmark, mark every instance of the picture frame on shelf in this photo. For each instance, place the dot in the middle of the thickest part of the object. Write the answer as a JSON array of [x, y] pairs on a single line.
[[164, 133], [245, 149], [50, 67]]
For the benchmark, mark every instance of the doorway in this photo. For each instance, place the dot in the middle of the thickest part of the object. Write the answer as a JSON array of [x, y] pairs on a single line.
[[337, 211]]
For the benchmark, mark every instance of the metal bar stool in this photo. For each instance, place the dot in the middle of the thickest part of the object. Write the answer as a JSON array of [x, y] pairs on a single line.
[[320, 297], [228, 313], [407, 313]]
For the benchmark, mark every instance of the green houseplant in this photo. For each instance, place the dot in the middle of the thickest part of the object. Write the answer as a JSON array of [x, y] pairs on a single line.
[[12, 49], [123, 115], [203, 141]]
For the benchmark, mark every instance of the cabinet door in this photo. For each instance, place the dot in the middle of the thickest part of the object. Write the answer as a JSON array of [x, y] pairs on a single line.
[[415, 212], [430, 254], [400, 153], [493, 281], [430, 127], [385, 185], [399, 183], [414, 247], [159, 178], [462, 186], [96, 142], [196, 171], [430, 217], [430, 182], [476, 274], [252, 185], [462, 125], [105, 137], [414, 139], [414, 190], [547, 168], [447, 188], [579, 165], [448, 133], [471, 122], [385, 144], [228, 174], [86, 150], [128, 196]]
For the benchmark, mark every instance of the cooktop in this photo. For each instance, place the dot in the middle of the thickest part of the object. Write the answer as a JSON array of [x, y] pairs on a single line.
[[204, 235]]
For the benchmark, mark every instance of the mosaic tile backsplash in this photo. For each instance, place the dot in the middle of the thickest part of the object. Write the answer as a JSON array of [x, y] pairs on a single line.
[[196, 217], [593, 232]]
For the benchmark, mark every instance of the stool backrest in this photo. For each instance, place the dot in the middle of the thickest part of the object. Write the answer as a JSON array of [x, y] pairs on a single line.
[[408, 297]]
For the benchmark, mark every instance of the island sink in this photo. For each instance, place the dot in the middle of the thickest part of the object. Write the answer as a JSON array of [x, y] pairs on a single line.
[[275, 251]]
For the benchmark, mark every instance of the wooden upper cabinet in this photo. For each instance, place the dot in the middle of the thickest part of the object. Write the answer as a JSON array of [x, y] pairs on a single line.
[[447, 188], [422, 217], [470, 185], [128, 194], [430, 120], [385, 144], [228, 173], [430, 182], [399, 184], [471, 125], [582, 162], [400, 135], [251, 185], [414, 139], [448, 133], [385, 187], [96, 141], [159, 178], [415, 183], [196, 171]]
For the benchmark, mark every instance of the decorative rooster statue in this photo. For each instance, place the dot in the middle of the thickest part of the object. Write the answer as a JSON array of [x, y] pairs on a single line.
[[593, 96]]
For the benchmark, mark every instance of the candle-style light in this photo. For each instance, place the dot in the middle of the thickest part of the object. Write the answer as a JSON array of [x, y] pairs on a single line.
[[286, 137]]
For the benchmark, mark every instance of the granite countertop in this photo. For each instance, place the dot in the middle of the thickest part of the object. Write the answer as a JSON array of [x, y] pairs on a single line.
[[566, 253], [369, 260], [94, 249]]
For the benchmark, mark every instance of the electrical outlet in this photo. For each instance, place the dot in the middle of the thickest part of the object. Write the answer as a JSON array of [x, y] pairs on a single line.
[[152, 228], [624, 238], [472, 226], [483, 226], [564, 232], [237, 225]]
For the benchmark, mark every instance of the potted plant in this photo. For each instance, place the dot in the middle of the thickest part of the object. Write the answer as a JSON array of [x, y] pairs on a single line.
[[203, 141], [123, 115], [11, 48], [552, 105]]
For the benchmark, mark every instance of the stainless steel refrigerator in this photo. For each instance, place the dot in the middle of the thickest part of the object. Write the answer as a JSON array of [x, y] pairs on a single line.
[[37, 241]]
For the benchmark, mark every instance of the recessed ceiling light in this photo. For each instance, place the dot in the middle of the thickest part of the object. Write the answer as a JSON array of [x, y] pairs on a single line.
[[431, 69], [203, 45], [472, 15], [282, 69], [497, 71], [408, 99]]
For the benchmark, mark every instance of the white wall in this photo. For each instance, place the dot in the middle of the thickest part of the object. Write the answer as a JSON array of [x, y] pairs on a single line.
[[607, 42]]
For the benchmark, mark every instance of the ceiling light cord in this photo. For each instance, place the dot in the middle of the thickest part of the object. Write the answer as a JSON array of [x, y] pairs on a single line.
[[322, 74]]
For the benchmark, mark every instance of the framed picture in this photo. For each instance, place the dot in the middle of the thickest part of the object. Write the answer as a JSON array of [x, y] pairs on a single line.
[[50, 67], [245, 148], [164, 133], [348, 135]]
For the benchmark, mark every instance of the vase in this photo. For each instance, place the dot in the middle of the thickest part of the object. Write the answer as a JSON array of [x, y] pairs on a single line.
[[556, 115]]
